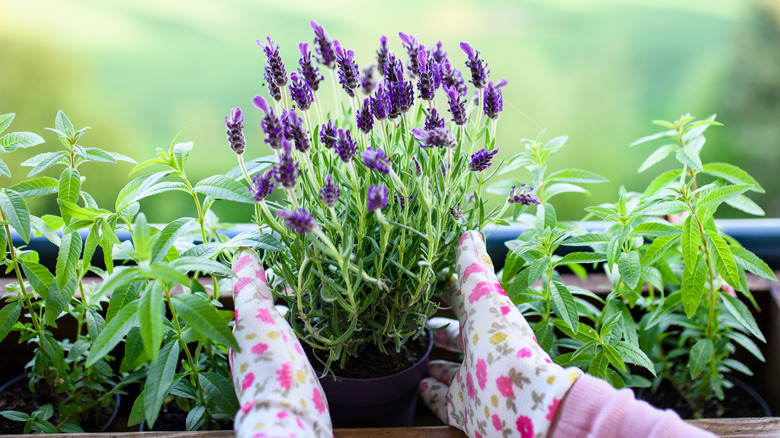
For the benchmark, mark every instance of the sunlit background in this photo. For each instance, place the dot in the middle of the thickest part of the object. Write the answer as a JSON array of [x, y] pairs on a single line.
[[140, 71]]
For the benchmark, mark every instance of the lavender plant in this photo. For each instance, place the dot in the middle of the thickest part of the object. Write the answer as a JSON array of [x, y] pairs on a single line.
[[369, 212]]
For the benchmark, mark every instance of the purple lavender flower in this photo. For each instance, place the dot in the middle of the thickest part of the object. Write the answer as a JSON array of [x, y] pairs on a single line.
[[412, 48], [433, 120], [263, 185], [479, 72], [364, 119], [456, 213], [481, 160], [451, 77], [417, 166], [401, 97], [377, 197], [235, 131], [328, 134], [437, 137], [272, 125], [394, 69], [439, 55], [494, 101], [345, 147], [287, 168], [502, 83], [323, 46], [380, 105], [382, 55], [367, 82], [522, 195], [348, 68], [457, 106], [307, 70], [275, 69], [300, 221], [378, 160], [300, 92], [426, 76], [274, 90], [330, 192], [295, 131]]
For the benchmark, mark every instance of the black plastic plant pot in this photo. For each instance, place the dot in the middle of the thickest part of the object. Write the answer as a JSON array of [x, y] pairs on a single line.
[[23, 379], [387, 401]]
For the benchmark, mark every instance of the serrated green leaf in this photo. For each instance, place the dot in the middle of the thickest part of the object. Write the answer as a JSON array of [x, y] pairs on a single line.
[[222, 187], [689, 240], [631, 353], [733, 174], [745, 204], [701, 353], [655, 136], [122, 276], [134, 351], [598, 368], [630, 268], [529, 275], [660, 182], [4, 170], [67, 259], [15, 415], [689, 157], [576, 176], [664, 208], [120, 297], [747, 344], [15, 209], [655, 229], [565, 306], [614, 357], [143, 187], [43, 161], [739, 311], [657, 249], [201, 316], [721, 194], [62, 123], [220, 391], [160, 380], [255, 239], [36, 187], [18, 140], [196, 417], [114, 331], [693, 280], [656, 156], [150, 319], [39, 277], [585, 239], [724, 259], [557, 189], [69, 189], [167, 237], [201, 264], [752, 263], [180, 152], [581, 257], [9, 315], [5, 121]]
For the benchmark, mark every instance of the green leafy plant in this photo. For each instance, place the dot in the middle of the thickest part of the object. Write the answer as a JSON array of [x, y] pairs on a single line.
[[576, 326], [40, 299]]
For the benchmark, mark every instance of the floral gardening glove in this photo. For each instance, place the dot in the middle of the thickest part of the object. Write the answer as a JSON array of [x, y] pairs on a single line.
[[277, 389], [507, 384]]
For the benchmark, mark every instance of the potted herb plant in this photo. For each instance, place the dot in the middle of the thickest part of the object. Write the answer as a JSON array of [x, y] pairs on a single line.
[[370, 200]]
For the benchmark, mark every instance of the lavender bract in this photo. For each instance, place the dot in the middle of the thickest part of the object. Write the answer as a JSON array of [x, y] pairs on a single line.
[[300, 220], [323, 46], [275, 69], [433, 120], [451, 77], [457, 106], [300, 92], [481, 160], [272, 125], [263, 184], [478, 67], [287, 169], [235, 131], [329, 192], [328, 135], [377, 197], [307, 70], [367, 82], [437, 137], [494, 101], [348, 69], [295, 131], [345, 147], [380, 104], [364, 119], [412, 49], [377, 159], [382, 55], [426, 77], [522, 195], [439, 55]]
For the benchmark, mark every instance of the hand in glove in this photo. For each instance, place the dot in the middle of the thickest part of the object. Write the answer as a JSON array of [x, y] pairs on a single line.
[[506, 384], [278, 391]]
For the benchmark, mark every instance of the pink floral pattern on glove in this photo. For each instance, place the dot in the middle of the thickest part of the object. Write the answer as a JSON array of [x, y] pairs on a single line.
[[507, 385]]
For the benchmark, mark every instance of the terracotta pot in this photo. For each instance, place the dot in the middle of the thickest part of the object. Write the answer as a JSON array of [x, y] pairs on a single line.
[[387, 401]]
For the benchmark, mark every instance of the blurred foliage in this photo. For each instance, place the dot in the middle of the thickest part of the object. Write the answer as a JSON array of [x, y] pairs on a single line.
[[140, 71]]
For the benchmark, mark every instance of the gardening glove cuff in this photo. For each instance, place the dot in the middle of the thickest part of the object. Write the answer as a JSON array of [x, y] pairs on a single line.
[[278, 391]]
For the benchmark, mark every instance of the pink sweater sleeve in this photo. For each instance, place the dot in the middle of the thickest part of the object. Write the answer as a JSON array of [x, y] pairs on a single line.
[[592, 408]]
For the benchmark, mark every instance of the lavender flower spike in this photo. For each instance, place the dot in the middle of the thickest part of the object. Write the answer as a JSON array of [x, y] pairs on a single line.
[[382, 55], [263, 185], [295, 131], [328, 135], [433, 120], [412, 48], [275, 68], [329, 192], [494, 101], [481, 160], [310, 73], [300, 221], [235, 131], [272, 125], [345, 146], [380, 105], [287, 169], [377, 197], [522, 195], [378, 160], [323, 46], [479, 72], [438, 137], [364, 119], [457, 106], [300, 92], [348, 69]]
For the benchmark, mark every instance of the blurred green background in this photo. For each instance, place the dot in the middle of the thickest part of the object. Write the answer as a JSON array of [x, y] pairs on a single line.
[[140, 71]]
